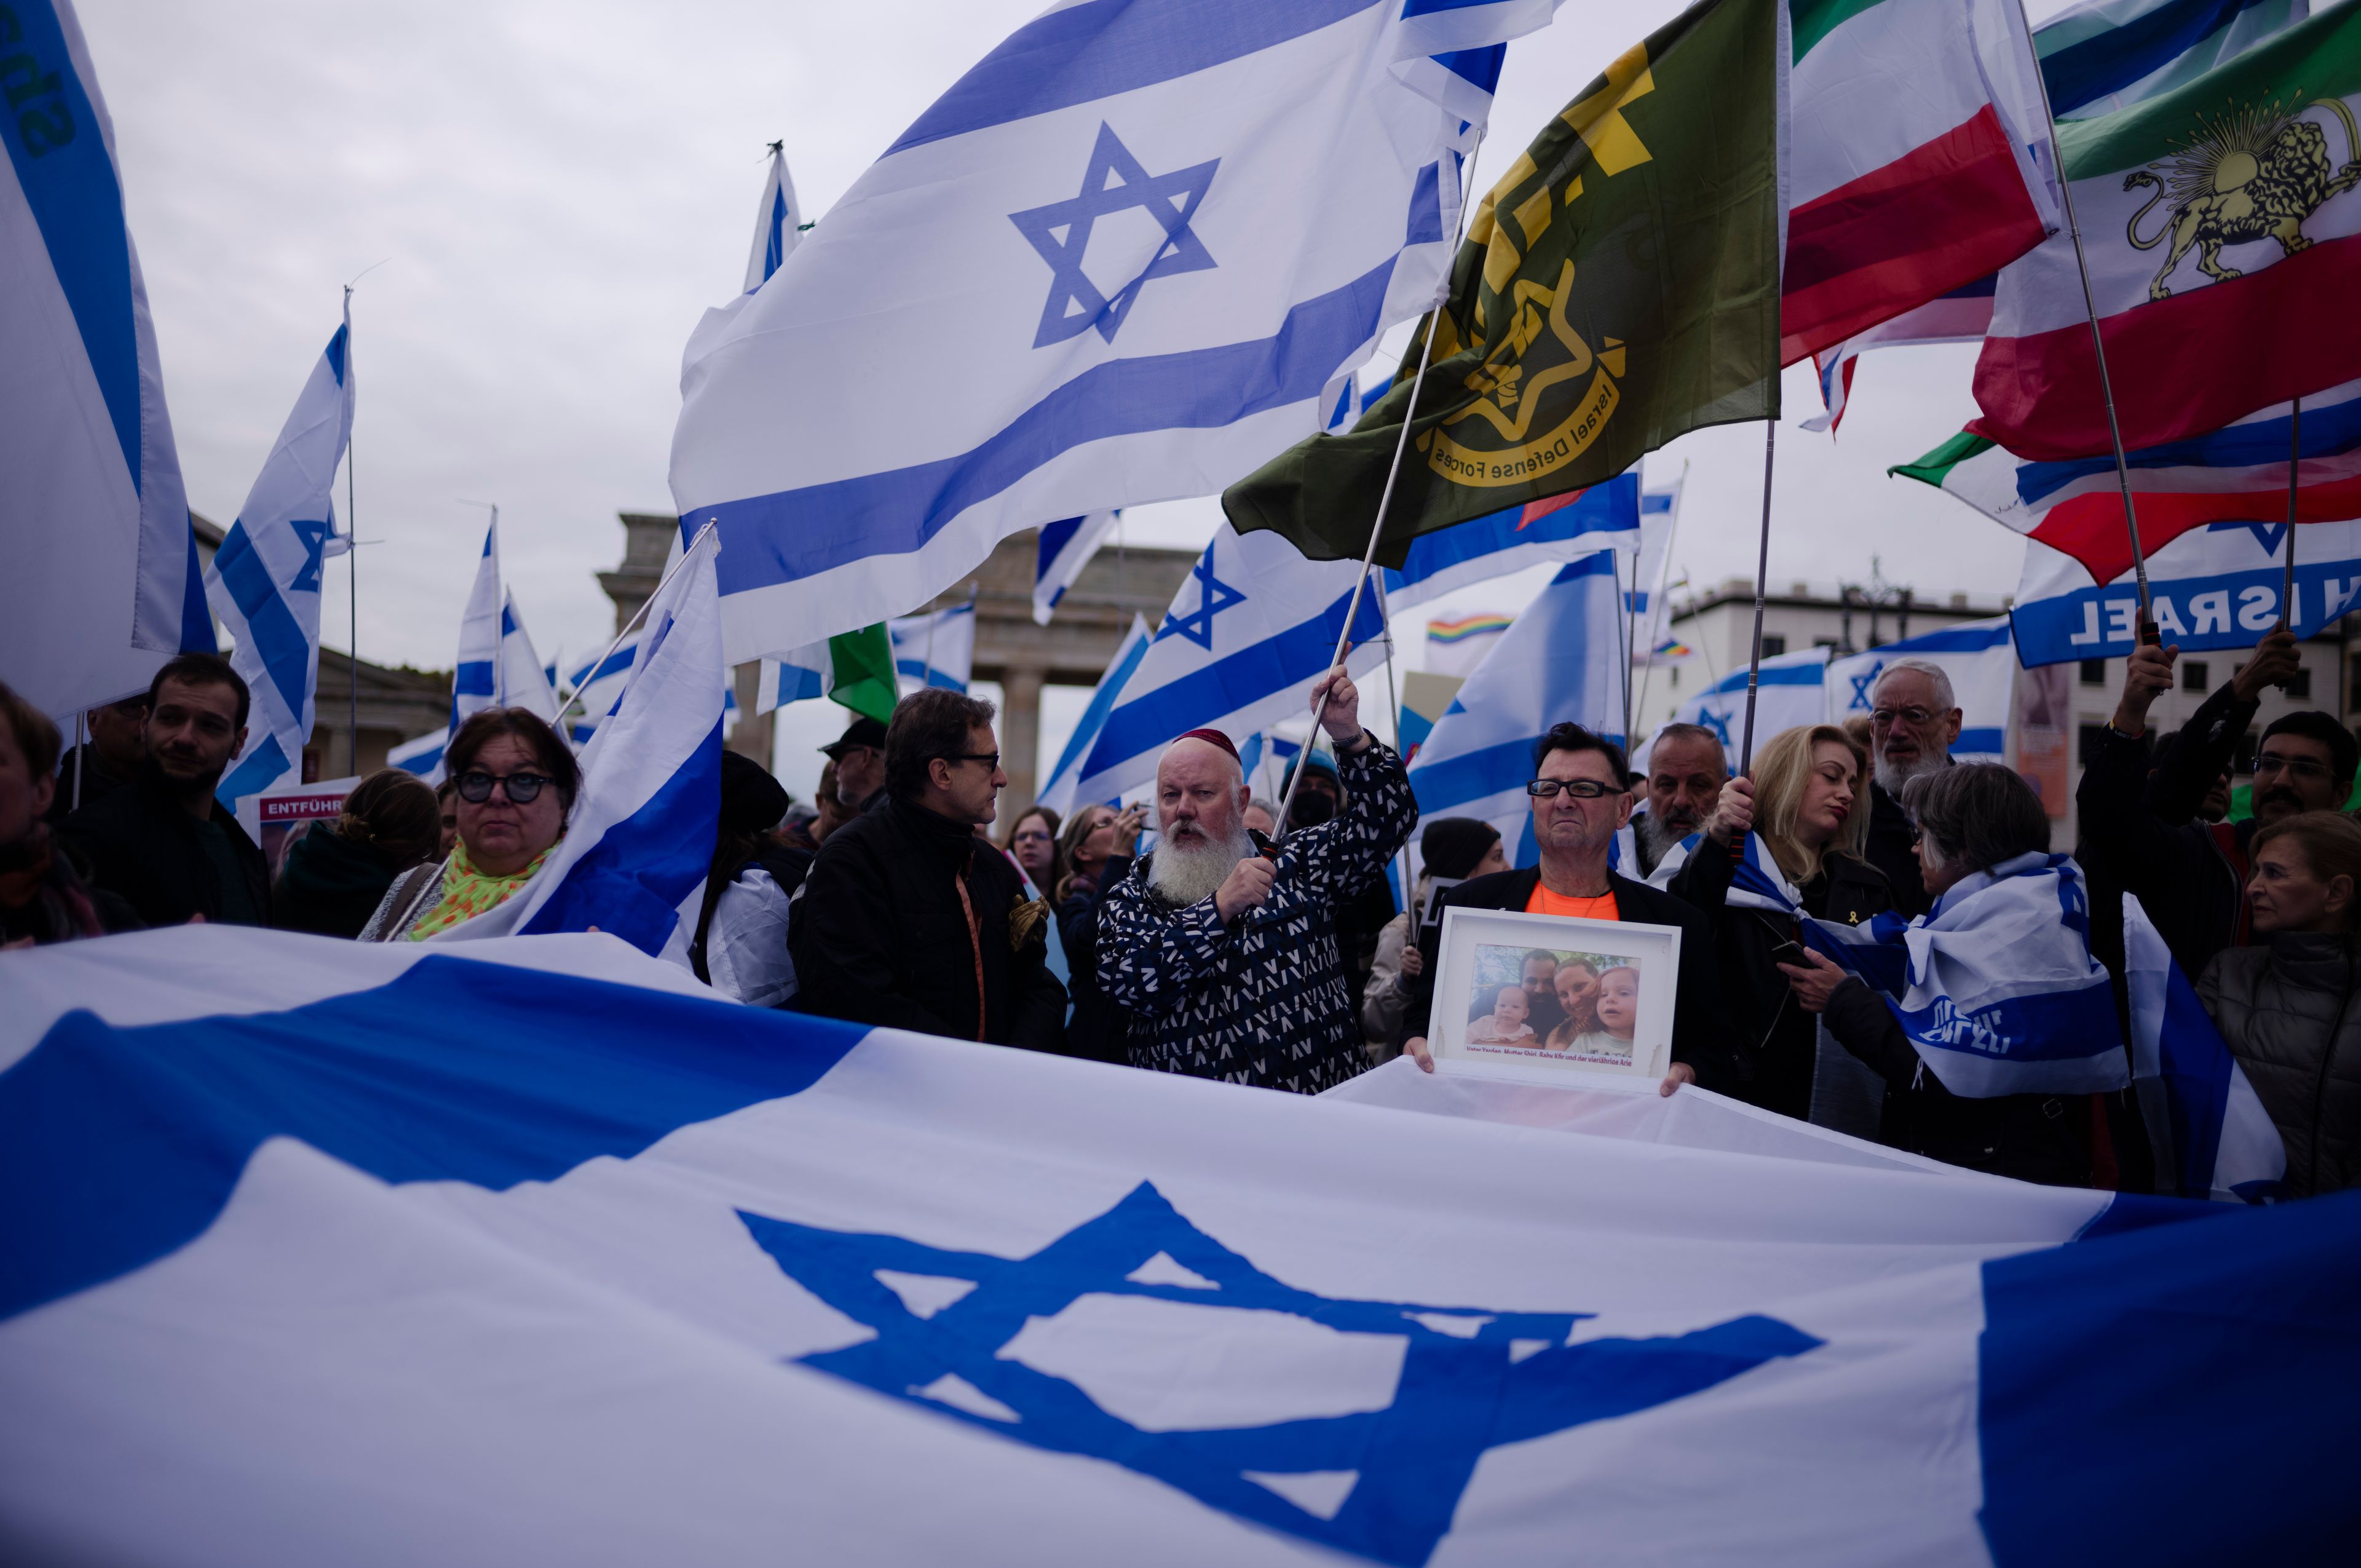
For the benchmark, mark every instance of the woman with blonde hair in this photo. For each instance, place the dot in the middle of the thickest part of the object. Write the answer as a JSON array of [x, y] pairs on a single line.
[[1808, 803]]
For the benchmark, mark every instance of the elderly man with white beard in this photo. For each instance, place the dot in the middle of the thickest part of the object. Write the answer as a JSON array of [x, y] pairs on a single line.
[[1221, 945], [1913, 722]]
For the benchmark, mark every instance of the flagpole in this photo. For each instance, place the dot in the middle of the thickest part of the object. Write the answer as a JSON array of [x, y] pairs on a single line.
[[1761, 580], [1623, 630], [81, 755], [599, 664], [2295, 457], [2147, 631], [1393, 701], [1664, 580], [1393, 472]]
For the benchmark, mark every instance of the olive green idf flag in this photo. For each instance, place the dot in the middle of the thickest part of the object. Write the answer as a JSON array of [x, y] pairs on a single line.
[[1618, 287]]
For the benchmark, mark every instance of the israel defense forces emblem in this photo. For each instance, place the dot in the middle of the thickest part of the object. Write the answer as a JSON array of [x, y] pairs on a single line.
[[1542, 396]]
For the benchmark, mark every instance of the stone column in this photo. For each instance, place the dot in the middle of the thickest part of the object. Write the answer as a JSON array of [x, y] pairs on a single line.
[[751, 735], [1020, 738]]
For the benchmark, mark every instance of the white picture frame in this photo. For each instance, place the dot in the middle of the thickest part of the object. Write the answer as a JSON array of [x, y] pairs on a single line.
[[1468, 1031]]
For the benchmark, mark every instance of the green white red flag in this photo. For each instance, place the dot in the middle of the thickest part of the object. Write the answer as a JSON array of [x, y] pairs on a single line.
[[2224, 235]]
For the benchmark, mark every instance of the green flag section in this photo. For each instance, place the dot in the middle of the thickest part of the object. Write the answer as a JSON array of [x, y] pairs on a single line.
[[860, 672], [2222, 226], [1618, 287]]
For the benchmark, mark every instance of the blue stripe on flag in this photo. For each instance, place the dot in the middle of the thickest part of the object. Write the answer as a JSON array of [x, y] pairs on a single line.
[[2329, 430], [1425, 215], [633, 879], [336, 353], [792, 534], [68, 176], [1479, 67], [270, 626], [1981, 742], [473, 678], [394, 1092], [1102, 48], [196, 615], [261, 768], [1472, 775], [1103, 701], [1953, 639], [1793, 675], [2107, 62]]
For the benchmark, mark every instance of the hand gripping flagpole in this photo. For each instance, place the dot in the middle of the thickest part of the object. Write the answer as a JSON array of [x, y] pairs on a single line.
[[1385, 498], [2147, 631]]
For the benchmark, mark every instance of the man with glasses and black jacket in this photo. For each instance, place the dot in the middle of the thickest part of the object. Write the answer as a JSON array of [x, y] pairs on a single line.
[[1581, 796]]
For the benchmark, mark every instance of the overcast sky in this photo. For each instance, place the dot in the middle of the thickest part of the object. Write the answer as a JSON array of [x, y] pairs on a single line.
[[558, 190]]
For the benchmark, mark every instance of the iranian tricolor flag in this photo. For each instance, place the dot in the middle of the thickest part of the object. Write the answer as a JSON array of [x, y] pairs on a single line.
[[2223, 234], [1913, 129]]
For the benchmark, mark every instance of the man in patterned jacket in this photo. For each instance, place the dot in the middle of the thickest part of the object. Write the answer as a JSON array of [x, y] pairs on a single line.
[[1223, 945]]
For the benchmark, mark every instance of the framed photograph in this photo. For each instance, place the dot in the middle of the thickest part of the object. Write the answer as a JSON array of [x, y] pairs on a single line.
[[1553, 999]]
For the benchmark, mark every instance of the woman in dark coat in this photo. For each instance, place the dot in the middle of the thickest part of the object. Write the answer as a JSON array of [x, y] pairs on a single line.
[[1097, 848], [336, 874], [1806, 801], [1975, 818]]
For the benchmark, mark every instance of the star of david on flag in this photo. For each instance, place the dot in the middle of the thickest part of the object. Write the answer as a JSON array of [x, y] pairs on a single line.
[[1116, 181], [1215, 596]]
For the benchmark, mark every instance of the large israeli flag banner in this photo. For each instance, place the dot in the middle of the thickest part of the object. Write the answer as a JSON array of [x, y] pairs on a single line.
[[1980, 659], [264, 581], [1569, 527], [458, 1255], [1057, 791], [497, 666], [1253, 626], [1132, 247], [102, 585], [642, 833], [1560, 659]]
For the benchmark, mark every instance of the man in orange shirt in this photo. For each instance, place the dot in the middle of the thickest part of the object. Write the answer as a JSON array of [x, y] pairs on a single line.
[[1580, 798]]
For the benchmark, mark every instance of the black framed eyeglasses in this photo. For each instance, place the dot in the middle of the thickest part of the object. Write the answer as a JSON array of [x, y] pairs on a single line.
[[1581, 789], [474, 786], [989, 759]]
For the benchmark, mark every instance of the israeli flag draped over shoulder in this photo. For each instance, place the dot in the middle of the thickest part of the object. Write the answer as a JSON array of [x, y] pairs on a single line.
[[640, 836], [264, 580], [1560, 659], [1995, 985], [102, 585], [1253, 625], [605, 1265], [1135, 246]]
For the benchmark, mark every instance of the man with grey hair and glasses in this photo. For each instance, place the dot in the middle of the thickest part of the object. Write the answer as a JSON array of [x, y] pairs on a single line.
[[1913, 724]]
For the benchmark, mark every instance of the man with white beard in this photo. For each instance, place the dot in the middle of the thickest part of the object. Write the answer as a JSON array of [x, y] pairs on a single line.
[[1913, 722], [1221, 945]]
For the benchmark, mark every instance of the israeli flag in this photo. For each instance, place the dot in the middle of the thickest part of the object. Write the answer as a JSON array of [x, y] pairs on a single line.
[[422, 756], [1133, 247], [264, 581], [1792, 691], [102, 585], [934, 649], [637, 846], [533, 1250], [1569, 527], [1264, 757], [2203, 1119], [595, 690], [1560, 659], [1253, 626], [1980, 658], [1064, 549], [1644, 595], [778, 221], [497, 666], [1056, 792]]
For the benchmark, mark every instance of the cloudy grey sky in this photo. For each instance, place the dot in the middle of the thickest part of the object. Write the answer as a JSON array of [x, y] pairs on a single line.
[[557, 188]]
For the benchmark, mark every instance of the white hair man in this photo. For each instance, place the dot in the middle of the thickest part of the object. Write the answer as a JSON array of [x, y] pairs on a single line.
[[1913, 722], [1221, 945]]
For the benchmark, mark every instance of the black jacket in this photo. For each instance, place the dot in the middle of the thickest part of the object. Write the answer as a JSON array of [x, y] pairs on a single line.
[[1777, 1043], [139, 843], [2031, 1138], [2141, 836], [881, 934], [1700, 1029], [329, 884], [59, 904], [1888, 851], [1099, 1030], [97, 782]]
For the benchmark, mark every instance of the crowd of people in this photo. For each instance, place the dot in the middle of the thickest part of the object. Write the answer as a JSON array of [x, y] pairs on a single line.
[[1231, 949]]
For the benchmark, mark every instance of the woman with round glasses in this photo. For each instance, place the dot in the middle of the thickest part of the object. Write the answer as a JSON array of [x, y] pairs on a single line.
[[1808, 803], [514, 781], [1032, 844]]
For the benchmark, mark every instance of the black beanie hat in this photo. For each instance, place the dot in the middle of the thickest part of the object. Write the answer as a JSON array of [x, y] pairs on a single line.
[[1451, 845], [752, 800]]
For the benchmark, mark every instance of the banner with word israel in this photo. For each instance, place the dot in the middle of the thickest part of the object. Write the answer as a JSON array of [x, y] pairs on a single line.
[[1135, 247], [536, 1252], [1978, 658], [2215, 586]]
